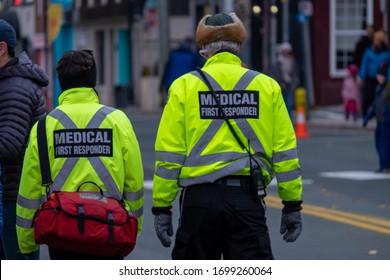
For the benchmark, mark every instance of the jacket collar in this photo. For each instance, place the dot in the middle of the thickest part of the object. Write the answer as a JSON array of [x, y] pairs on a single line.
[[78, 95], [224, 57]]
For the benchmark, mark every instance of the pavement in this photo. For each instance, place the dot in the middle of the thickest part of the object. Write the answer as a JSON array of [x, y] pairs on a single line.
[[326, 117], [333, 116]]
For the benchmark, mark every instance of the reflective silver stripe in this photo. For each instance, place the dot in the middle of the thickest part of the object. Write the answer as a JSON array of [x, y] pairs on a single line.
[[211, 177], [195, 158], [62, 118], [264, 165], [250, 134], [32, 204], [285, 155], [288, 175], [24, 223], [134, 196], [214, 84], [138, 213], [170, 157], [63, 174], [168, 173], [213, 158], [101, 170], [105, 177]]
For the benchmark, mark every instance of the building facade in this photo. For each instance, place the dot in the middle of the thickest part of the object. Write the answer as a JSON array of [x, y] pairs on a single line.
[[131, 39]]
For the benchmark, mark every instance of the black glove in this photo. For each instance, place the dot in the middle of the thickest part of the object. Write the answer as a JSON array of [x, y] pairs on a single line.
[[292, 222], [163, 225]]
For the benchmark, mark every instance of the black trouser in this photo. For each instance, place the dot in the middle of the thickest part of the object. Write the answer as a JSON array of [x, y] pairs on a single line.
[[59, 254], [219, 221]]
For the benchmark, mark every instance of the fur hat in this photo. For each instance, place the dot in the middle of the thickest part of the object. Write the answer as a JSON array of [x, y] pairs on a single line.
[[220, 27]]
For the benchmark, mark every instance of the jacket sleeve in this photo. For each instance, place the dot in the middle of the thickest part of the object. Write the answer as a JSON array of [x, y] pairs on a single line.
[[170, 147], [285, 155], [15, 122], [134, 175], [29, 197]]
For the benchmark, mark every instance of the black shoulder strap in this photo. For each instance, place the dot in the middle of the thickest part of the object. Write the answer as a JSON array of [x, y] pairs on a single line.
[[43, 153]]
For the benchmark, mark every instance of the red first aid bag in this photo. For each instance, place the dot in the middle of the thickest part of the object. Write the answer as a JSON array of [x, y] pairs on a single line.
[[86, 222]]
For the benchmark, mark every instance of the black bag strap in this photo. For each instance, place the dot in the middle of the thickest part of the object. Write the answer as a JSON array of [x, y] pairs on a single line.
[[43, 153]]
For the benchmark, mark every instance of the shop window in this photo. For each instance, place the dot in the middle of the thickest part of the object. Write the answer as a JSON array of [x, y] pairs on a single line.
[[348, 23]]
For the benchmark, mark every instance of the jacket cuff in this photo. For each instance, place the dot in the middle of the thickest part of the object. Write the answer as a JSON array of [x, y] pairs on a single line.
[[162, 210], [292, 206]]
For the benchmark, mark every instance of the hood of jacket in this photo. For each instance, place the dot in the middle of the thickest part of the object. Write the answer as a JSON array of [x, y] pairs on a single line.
[[23, 67]]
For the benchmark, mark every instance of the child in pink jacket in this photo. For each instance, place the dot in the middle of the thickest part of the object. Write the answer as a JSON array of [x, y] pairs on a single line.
[[351, 93]]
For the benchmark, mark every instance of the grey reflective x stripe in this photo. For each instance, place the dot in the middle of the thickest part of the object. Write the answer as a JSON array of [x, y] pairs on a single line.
[[96, 162], [195, 158]]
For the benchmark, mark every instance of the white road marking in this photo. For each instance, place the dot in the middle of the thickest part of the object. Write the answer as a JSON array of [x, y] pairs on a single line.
[[356, 175]]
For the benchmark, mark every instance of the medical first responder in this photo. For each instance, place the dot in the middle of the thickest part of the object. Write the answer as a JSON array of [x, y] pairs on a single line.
[[197, 151], [87, 142]]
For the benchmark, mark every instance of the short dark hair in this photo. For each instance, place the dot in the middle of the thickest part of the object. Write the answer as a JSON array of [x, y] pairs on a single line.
[[76, 69]]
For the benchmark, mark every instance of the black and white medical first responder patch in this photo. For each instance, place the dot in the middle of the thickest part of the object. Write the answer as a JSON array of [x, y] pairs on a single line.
[[83, 143], [236, 104]]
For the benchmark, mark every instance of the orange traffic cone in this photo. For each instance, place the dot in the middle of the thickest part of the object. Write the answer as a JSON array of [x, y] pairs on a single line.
[[300, 125]]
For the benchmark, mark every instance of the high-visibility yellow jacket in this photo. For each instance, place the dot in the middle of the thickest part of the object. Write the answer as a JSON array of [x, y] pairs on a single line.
[[87, 141], [194, 145]]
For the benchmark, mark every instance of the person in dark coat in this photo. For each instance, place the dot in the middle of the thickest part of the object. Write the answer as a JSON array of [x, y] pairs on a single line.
[[21, 105], [381, 111], [181, 61], [364, 43], [372, 59]]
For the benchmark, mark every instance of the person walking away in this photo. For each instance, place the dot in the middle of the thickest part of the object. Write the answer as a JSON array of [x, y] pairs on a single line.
[[286, 73], [215, 145], [181, 61], [381, 111], [372, 59], [116, 167], [351, 94], [21, 105], [362, 44]]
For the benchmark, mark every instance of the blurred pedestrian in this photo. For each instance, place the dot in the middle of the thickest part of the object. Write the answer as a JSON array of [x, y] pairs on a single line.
[[286, 72], [116, 169], [181, 60], [372, 59], [381, 111], [224, 134], [364, 43], [351, 94], [21, 105]]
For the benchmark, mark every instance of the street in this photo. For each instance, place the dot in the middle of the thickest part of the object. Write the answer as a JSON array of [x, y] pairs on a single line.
[[346, 206]]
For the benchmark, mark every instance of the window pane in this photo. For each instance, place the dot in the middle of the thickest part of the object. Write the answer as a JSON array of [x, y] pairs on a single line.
[[345, 46], [350, 14], [348, 18]]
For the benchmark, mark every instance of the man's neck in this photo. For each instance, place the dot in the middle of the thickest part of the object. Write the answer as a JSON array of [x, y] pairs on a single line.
[[4, 60]]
